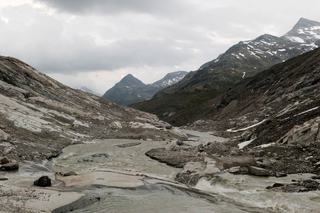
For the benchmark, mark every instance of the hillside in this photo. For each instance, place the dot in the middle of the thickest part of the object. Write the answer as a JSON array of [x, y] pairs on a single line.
[[39, 116], [179, 104], [274, 115]]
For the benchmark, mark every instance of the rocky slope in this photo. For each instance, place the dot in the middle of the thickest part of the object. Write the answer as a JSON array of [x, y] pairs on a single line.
[[272, 125], [274, 115], [131, 90], [179, 103], [39, 116]]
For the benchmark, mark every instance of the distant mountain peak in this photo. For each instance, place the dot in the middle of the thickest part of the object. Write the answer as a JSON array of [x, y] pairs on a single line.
[[131, 90], [129, 77], [266, 37], [170, 79], [130, 80], [303, 23], [305, 31]]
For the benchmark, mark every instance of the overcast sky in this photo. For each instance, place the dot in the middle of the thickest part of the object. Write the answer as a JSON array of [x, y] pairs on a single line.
[[94, 43]]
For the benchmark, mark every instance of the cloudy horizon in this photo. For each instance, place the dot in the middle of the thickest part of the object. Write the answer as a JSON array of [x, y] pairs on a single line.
[[95, 43]]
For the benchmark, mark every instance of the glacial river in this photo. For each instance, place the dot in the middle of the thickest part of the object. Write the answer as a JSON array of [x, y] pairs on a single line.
[[124, 180]]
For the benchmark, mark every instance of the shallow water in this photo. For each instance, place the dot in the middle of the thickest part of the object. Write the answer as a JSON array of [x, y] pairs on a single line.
[[158, 198], [132, 183], [110, 155]]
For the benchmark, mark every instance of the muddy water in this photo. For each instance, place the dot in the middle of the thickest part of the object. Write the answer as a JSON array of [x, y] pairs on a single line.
[[159, 198], [115, 155], [130, 182]]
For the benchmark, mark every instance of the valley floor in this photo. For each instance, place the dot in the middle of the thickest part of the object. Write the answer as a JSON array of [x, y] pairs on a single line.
[[115, 175]]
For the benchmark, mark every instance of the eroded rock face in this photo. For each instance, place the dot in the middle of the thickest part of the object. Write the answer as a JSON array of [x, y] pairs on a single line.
[[38, 111], [304, 134]]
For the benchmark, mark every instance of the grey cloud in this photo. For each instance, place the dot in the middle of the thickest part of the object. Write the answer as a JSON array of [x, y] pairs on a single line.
[[125, 53], [117, 6], [53, 45], [175, 32]]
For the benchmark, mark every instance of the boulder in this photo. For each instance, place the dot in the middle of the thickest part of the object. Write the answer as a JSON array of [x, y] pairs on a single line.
[[3, 136], [4, 161], [239, 170], [257, 171], [234, 161], [12, 166], [168, 126], [67, 174], [317, 177], [43, 181], [276, 185], [249, 170], [174, 158], [297, 186]]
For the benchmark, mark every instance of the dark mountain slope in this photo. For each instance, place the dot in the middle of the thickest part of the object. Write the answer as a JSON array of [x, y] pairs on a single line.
[[125, 92], [273, 116], [286, 95], [180, 103], [131, 90]]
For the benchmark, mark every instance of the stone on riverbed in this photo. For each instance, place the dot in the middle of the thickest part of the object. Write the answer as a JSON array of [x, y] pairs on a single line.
[[235, 161], [238, 170], [299, 186], [257, 171], [43, 181], [250, 170], [7, 165], [4, 161], [173, 158], [67, 174]]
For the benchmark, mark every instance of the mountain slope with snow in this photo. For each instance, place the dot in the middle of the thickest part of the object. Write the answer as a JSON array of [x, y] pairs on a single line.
[[179, 103], [131, 90]]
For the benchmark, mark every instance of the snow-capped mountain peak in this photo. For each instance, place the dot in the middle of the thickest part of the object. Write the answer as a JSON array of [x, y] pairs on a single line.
[[131, 90], [170, 79], [305, 32]]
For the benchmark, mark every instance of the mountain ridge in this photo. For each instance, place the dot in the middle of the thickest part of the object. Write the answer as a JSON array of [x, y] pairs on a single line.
[[179, 103], [130, 90]]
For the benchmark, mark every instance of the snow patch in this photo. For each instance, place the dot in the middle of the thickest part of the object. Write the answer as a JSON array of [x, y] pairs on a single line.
[[79, 123], [309, 110], [296, 39], [266, 145], [137, 125], [246, 128], [245, 143]]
